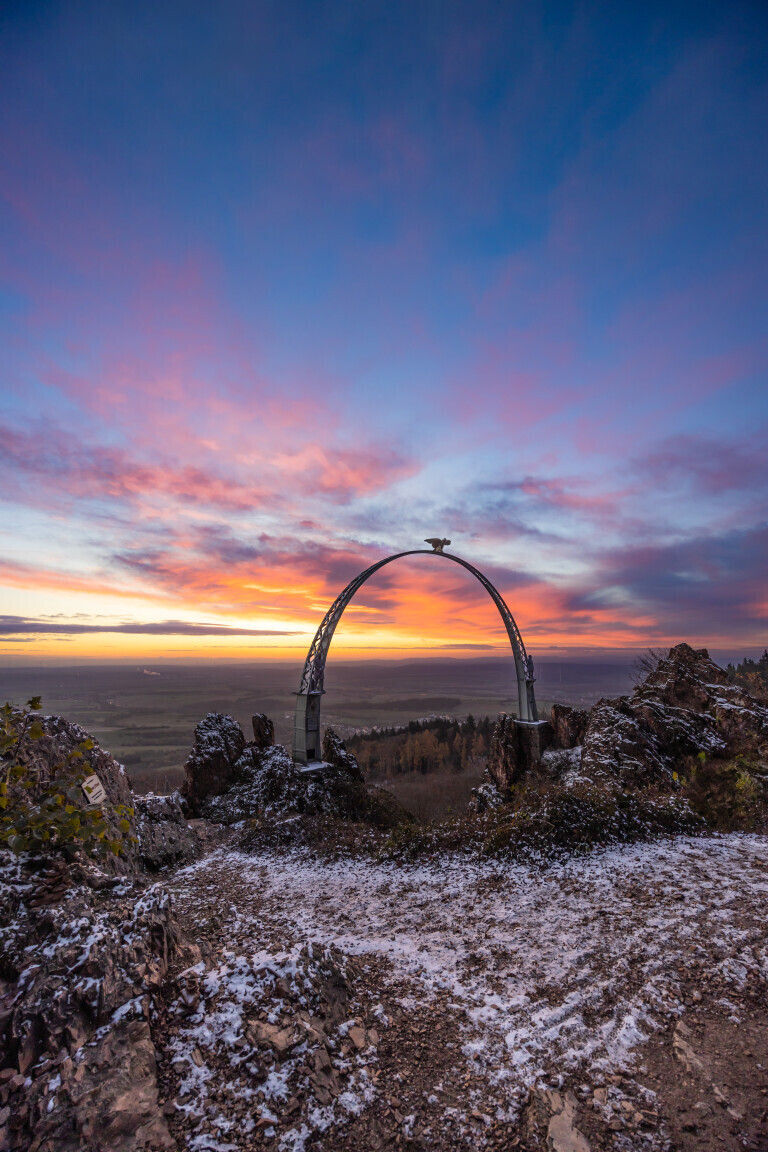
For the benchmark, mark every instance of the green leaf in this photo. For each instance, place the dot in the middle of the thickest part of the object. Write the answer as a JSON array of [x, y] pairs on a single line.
[[35, 703]]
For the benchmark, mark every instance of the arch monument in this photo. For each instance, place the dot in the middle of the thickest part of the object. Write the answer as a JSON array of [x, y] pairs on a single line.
[[306, 733]]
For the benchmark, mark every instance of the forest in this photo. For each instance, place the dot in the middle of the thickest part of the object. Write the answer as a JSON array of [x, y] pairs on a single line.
[[422, 746]]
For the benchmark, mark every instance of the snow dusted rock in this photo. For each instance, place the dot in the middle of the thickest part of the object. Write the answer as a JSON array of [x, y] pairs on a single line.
[[267, 782], [210, 768], [270, 785], [684, 708], [335, 752], [689, 680], [485, 797], [76, 981], [264, 1036], [165, 837], [263, 730], [46, 755]]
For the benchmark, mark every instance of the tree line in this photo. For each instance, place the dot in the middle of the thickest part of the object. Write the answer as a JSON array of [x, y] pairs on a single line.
[[751, 674], [424, 746]]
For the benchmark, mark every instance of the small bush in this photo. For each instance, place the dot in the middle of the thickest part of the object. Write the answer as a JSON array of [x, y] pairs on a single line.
[[730, 794], [578, 820], [45, 810]]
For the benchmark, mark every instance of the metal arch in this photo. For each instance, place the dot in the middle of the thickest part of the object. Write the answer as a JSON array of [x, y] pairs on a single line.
[[313, 675]]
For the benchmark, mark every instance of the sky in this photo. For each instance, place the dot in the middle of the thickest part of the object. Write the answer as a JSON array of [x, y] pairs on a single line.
[[287, 287]]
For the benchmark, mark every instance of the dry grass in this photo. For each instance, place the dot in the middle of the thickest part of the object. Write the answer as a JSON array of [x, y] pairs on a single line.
[[433, 796]]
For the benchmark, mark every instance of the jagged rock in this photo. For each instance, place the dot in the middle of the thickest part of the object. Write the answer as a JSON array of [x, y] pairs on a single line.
[[210, 768], [76, 978], [515, 749], [684, 708], [267, 782], [165, 837], [263, 730], [45, 756], [568, 725], [683, 1050], [281, 1040], [119, 1111], [691, 681], [335, 752]]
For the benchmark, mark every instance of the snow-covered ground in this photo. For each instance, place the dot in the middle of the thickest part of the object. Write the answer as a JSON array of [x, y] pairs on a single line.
[[551, 971]]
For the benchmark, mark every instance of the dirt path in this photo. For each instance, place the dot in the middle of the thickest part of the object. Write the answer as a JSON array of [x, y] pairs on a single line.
[[435, 1002]]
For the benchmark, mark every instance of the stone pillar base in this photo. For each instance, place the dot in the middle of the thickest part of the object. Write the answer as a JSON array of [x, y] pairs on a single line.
[[517, 747]]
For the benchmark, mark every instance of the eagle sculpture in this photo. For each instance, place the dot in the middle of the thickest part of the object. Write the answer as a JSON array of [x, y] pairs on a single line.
[[436, 543]]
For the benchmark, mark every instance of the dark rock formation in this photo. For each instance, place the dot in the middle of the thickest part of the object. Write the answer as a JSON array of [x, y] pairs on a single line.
[[267, 782], [263, 730], [515, 749], [684, 709], [335, 753], [568, 725], [271, 786], [485, 797], [210, 769], [229, 780], [75, 981], [165, 837]]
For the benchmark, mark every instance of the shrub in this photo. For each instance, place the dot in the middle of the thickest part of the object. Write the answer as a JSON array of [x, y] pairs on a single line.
[[44, 808]]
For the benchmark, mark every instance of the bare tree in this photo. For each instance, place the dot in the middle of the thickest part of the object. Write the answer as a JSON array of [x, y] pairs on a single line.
[[647, 662]]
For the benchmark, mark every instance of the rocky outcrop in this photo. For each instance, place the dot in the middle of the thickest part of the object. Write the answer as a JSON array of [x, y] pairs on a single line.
[[76, 976], [268, 782], [229, 780], [568, 725], [54, 750], [271, 786], [515, 750], [210, 768], [263, 730], [685, 710], [166, 839], [335, 753]]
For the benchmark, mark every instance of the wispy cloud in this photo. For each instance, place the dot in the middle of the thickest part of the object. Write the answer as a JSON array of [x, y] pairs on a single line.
[[17, 625]]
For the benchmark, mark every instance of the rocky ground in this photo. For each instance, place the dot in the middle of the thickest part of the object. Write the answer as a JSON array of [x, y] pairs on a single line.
[[614, 1001], [286, 960]]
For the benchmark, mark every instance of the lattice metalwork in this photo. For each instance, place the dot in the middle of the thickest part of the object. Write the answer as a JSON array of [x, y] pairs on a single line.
[[314, 666]]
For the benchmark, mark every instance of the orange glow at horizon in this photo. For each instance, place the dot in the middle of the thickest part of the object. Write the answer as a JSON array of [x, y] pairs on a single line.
[[414, 609]]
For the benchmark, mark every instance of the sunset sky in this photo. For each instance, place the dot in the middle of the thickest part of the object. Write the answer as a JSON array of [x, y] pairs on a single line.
[[286, 287]]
